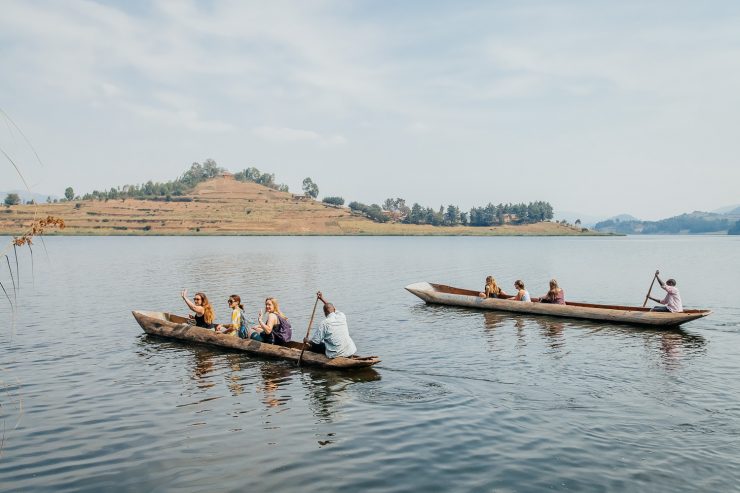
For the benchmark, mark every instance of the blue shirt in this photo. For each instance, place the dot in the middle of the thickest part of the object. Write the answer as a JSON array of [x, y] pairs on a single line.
[[333, 332]]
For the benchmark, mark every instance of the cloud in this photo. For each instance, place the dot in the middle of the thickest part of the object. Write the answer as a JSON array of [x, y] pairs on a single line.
[[418, 128], [543, 86], [183, 118], [285, 134]]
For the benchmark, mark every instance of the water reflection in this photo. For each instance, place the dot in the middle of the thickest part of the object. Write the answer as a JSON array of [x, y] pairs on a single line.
[[673, 344], [203, 365], [275, 377], [677, 346], [669, 346], [325, 390], [553, 332], [492, 321]]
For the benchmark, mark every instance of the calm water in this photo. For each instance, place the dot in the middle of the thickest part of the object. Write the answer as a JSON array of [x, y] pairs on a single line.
[[463, 400]]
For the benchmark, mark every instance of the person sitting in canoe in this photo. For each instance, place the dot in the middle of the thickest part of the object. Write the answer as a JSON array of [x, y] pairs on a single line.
[[492, 290], [332, 337], [672, 300], [556, 295], [521, 293], [202, 307], [276, 329], [237, 315]]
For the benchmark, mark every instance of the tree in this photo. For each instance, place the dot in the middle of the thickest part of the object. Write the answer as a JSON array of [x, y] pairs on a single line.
[[452, 216], [69, 193], [310, 188], [12, 199], [416, 216], [333, 200], [578, 222]]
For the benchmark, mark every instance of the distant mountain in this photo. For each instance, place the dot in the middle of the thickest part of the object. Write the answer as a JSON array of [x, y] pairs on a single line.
[[623, 217], [588, 220], [731, 209], [26, 196], [697, 222]]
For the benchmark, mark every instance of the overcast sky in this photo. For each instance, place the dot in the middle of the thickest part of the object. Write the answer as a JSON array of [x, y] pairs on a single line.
[[598, 107]]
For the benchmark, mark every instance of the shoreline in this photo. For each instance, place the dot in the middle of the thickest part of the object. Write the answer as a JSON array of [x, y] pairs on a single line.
[[349, 235], [302, 234]]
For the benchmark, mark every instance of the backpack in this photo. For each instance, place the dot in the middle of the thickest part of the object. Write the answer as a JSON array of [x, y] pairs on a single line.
[[242, 333], [284, 333]]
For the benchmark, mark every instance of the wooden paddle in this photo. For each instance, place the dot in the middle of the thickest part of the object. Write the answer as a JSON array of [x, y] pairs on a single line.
[[647, 296], [308, 330]]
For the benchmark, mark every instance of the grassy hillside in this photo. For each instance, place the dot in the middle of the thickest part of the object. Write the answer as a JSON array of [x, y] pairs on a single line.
[[224, 206]]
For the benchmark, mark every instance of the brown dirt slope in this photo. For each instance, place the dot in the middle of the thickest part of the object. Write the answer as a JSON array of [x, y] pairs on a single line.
[[224, 206]]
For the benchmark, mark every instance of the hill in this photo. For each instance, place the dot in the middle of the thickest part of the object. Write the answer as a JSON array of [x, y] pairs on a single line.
[[696, 222], [225, 206], [26, 196], [729, 209], [589, 221]]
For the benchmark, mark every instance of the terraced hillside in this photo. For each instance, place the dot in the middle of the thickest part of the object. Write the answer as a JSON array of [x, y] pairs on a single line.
[[224, 206]]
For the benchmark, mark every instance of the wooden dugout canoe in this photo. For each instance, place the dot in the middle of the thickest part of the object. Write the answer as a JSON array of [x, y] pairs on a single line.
[[175, 327], [448, 295]]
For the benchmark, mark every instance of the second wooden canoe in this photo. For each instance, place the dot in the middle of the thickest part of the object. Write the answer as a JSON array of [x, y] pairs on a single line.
[[448, 295]]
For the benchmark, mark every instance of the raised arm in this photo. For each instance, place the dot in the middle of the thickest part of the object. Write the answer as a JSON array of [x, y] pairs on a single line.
[[320, 296], [197, 309], [267, 326], [660, 281]]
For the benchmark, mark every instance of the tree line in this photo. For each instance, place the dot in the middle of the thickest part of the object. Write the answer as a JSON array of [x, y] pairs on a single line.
[[266, 179], [197, 173], [395, 209], [392, 209]]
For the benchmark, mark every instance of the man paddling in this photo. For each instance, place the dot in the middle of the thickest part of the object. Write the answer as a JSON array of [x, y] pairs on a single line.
[[672, 300], [332, 337]]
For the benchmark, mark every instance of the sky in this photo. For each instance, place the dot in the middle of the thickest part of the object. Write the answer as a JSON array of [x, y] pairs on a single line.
[[601, 108]]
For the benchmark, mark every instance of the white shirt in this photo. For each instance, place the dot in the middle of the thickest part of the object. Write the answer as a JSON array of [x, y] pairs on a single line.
[[672, 299], [333, 332]]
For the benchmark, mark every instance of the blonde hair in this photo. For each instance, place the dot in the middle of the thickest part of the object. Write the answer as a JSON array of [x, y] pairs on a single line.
[[208, 314], [492, 287], [554, 288], [276, 306]]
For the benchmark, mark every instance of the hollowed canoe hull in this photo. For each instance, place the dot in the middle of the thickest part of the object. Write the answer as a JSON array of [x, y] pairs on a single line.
[[174, 327], [448, 295]]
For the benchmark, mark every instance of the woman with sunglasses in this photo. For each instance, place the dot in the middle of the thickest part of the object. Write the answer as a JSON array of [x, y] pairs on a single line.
[[203, 310], [237, 313]]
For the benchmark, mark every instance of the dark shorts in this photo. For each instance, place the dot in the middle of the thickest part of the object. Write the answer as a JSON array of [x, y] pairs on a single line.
[[262, 337], [660, 308], [317, 348]]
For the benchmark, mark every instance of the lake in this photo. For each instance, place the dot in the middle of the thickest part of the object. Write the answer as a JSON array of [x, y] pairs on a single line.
[[463, 400]]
